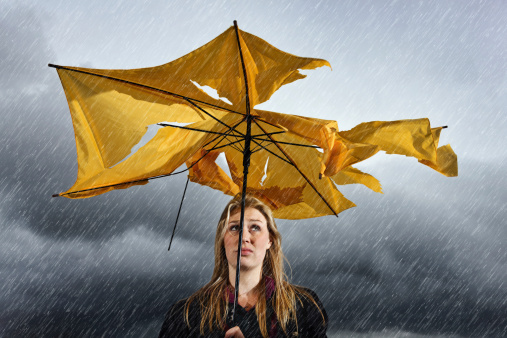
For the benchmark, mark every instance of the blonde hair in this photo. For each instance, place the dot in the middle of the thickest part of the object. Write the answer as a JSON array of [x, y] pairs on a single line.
[[213, 297]]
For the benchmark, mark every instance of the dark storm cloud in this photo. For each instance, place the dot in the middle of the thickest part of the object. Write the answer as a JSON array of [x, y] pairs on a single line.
[[85, 288], [435, 265]]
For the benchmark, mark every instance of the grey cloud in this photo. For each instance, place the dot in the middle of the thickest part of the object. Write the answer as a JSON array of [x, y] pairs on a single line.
[[81, 287], [436, 265], [23, 51]]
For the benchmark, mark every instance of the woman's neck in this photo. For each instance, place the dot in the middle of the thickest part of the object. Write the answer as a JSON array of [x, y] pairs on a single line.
[[248, 279]]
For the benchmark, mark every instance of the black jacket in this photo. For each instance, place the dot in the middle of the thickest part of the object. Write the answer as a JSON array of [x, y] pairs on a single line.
[[309, 321]]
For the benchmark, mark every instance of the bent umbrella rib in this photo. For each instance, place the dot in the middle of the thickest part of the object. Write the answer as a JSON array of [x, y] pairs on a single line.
[[289, 143], [144, 86], [143, 179], [224, 135], [195, 129]]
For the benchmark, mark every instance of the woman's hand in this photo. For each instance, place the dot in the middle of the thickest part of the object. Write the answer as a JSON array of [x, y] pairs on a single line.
[[235, 332]]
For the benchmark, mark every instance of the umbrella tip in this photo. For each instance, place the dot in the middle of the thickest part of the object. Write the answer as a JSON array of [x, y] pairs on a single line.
[[55, 195], [444, 127]]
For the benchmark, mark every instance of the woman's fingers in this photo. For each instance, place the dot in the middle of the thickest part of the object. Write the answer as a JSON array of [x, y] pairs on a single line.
[[235, 332]]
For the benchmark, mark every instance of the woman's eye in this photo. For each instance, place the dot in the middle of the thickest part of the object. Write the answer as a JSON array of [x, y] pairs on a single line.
[[256, 228], [234, 228]]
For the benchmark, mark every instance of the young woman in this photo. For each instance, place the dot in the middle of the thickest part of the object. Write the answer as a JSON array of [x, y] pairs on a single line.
[[269, 306]]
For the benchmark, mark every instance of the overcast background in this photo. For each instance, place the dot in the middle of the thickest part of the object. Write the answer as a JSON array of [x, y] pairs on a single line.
[[427, 258]]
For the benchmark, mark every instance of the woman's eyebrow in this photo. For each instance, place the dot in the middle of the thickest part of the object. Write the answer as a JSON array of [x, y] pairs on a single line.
[[250, 220]]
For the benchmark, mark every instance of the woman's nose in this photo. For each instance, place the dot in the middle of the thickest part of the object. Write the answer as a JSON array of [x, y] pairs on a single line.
[[246, 236]]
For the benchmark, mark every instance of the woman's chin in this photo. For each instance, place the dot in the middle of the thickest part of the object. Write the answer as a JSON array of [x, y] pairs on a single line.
[[245, 265]]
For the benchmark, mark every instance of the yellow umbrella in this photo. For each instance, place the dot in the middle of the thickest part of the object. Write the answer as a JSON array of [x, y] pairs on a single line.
[[292, 163]]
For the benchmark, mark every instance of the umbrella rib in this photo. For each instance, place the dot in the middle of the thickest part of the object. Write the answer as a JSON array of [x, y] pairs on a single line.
[[281, 158], [259, 144], [232, 144], [235, 146], [299, 170], [239, 146], [136, 181], [292, 144], [265, 134], [193, 129], [256, 149], [230, 129], [210, 115], [225, 136], [257, 136], [225, 145], [262, 140], [130, 182], [264, 121], [144, 86], [288, 143]]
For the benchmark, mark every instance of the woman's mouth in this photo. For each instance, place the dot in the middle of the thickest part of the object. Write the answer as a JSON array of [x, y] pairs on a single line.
[[246, 252]]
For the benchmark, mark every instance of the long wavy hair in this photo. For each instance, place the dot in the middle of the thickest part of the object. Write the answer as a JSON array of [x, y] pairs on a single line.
[[213, 297]]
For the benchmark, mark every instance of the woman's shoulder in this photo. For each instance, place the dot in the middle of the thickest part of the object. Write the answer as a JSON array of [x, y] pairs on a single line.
[[306, 295], [310, 313]]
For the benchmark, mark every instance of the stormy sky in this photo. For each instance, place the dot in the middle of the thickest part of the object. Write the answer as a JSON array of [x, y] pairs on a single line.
[[426, 258]]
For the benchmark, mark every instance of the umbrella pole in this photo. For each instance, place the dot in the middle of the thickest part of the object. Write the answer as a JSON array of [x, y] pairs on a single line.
[[246, 163]]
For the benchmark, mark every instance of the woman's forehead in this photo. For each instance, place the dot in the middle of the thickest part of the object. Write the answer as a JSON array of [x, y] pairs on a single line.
[[251, 214]]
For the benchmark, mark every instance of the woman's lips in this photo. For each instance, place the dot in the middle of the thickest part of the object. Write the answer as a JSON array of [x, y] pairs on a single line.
[[246, 252]]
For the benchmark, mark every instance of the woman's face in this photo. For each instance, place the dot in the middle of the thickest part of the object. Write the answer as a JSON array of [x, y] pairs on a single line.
[[255, 239]]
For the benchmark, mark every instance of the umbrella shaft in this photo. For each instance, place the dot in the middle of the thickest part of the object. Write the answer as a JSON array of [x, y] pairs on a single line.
[[246, 164]]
